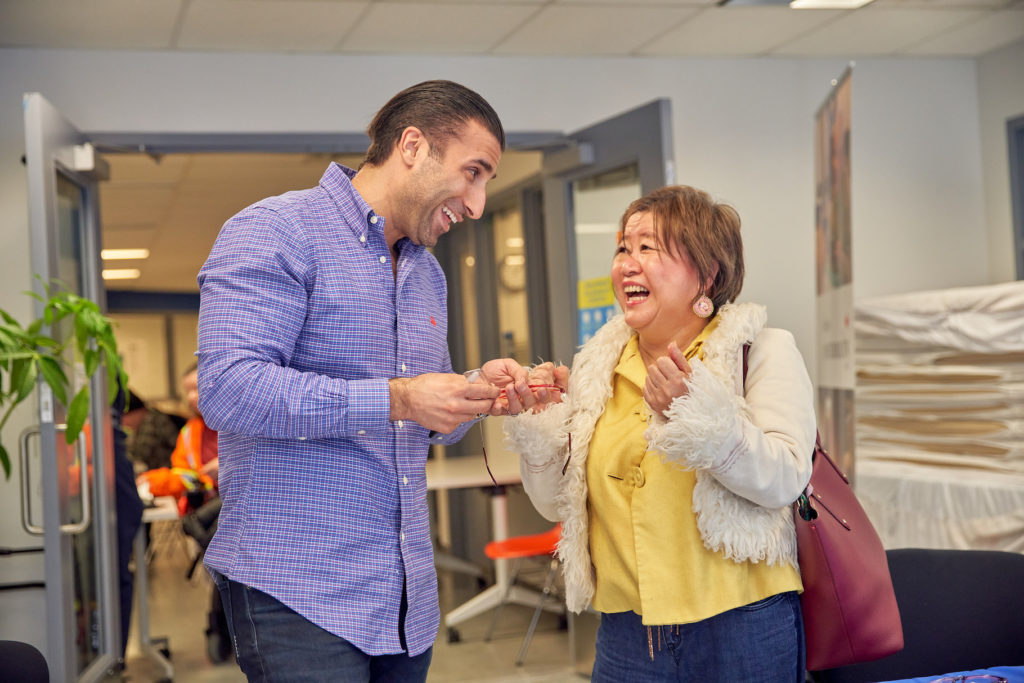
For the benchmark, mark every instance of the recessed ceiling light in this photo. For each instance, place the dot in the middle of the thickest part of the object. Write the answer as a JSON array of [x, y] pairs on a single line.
[[123, 254], [828, 4], [121, 273]]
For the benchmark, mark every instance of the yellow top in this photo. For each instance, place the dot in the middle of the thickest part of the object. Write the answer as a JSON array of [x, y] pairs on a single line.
[[647, 553]]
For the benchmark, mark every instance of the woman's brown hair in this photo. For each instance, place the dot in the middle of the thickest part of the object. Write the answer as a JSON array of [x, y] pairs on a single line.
[[687, 220]]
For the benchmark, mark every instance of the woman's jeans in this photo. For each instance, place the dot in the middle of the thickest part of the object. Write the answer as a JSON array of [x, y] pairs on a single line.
[[274, 643], [759, 642]]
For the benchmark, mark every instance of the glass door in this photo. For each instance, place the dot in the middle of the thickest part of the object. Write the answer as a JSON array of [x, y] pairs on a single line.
[[587, 186], [78, 519]]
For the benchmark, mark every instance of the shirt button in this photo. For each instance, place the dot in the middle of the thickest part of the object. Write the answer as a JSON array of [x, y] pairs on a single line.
[[383, 259], [373, 219], [361, 432], [403, 367], [638, 477], [405, 480], [302, 438], [399, 423], [403, 537], [362, 238]]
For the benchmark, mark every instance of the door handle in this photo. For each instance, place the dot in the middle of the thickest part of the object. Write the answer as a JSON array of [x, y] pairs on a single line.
[[26, 512], [83, 473]]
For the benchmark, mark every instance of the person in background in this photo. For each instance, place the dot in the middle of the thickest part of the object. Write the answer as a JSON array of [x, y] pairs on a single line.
[[151, 433], [192, 475], [324, 366], [129, 515], [672, 476]]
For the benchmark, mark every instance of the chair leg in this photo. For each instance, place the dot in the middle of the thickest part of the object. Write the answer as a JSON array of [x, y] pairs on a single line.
[[548, 582], [504, 598]]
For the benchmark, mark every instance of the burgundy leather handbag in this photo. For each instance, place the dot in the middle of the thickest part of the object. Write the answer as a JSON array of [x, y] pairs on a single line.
[[848, 604]]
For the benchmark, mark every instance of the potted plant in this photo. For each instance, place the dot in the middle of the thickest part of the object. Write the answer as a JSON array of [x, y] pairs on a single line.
[[26, 353]]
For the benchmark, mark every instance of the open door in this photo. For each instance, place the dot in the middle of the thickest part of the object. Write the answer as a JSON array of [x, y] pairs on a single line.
[[77, 507], [587, 186]]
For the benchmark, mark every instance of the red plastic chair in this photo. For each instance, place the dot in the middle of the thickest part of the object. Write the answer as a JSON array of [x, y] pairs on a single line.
[[519, 548]]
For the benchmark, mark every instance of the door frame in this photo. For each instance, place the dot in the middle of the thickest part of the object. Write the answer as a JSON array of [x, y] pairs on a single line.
[[641, 136], [50, 142]]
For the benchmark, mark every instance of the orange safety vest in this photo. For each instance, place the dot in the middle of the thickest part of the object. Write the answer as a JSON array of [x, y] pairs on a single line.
[[183, 475]]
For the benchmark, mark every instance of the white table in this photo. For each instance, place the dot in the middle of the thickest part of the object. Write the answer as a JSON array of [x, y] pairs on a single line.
[[471, 472], [165, 509]]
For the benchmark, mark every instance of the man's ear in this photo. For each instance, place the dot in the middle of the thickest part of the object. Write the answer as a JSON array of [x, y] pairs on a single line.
[[411, 144]]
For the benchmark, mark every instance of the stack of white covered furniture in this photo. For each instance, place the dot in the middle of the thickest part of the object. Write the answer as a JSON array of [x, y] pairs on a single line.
[[940, 417]]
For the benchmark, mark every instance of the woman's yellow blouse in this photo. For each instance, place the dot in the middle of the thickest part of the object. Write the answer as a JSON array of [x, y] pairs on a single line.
[[647, 553]]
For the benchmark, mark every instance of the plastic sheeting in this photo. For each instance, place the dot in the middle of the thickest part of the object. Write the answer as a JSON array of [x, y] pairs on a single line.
[[940, 417]]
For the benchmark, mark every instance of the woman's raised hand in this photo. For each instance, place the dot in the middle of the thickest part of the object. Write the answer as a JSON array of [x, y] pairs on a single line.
[[667, 379]]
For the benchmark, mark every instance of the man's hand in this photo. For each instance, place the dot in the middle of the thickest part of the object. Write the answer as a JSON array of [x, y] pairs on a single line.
[[667, 379], [439, 401], [534, 391]]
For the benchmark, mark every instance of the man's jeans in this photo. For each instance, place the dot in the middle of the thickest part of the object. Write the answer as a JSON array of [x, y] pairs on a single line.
[[274, 643], [760, 642]]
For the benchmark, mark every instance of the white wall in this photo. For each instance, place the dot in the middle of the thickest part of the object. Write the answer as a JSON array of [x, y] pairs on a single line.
[[742, 129], [1000, 98]]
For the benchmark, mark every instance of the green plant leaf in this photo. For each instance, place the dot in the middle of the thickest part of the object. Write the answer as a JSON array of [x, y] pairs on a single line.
[[34, 295], [5, 462], [81, 333], [92, 359], [77, 412], [112, 377], [20, 383], [54, 375], [27, 380]]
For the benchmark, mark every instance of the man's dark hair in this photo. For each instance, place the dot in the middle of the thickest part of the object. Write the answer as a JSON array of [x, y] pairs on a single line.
[[438, 108]]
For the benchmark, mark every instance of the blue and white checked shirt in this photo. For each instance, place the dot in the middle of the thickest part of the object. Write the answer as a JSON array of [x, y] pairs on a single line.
[[301, 324]]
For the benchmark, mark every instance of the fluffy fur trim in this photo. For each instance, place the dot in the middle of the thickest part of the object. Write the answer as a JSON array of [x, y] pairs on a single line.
[[740, 529], [699, 429]]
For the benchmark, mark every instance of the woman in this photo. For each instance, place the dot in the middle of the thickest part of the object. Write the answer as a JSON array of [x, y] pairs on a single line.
[[673, 475]]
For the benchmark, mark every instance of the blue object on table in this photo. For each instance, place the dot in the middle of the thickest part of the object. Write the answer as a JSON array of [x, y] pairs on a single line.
[[1012, 674]]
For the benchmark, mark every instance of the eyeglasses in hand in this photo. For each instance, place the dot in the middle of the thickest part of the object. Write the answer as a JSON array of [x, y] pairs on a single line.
[[972, 678]]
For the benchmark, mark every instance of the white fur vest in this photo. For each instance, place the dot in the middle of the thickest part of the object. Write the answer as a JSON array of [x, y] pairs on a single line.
[[750, 446]]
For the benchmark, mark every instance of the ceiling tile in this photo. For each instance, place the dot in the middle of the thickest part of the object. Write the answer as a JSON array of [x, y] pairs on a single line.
[[945, 4], [129, 237], [876, 31], [134, 204], [89, 23], [592, 30], [268, 25], [745, 30], [636, 3], [134, 168], [988, 33], [435, 28]]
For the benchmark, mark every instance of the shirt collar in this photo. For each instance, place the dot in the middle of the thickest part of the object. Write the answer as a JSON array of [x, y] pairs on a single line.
[[358, 215]]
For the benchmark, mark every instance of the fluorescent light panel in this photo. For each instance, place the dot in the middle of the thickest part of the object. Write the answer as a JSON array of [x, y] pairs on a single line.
[[121, 273], [828, 4], [123, 254]]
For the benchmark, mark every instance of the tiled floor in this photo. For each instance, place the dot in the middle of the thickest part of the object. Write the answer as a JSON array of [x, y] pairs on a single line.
[[178, 609]]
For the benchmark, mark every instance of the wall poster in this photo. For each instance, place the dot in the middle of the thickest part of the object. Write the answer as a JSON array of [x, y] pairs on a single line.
[[834, 274]]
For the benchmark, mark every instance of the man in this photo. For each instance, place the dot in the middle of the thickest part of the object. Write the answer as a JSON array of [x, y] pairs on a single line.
[[323, 364]]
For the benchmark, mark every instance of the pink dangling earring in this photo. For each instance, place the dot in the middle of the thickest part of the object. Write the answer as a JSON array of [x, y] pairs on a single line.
[[703, 307]]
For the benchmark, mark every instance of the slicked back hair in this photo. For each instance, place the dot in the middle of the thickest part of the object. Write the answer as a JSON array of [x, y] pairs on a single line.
[[438, 108], [688, 219]]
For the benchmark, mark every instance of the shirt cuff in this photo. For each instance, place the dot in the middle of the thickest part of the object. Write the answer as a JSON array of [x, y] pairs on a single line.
[[369, 405]]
